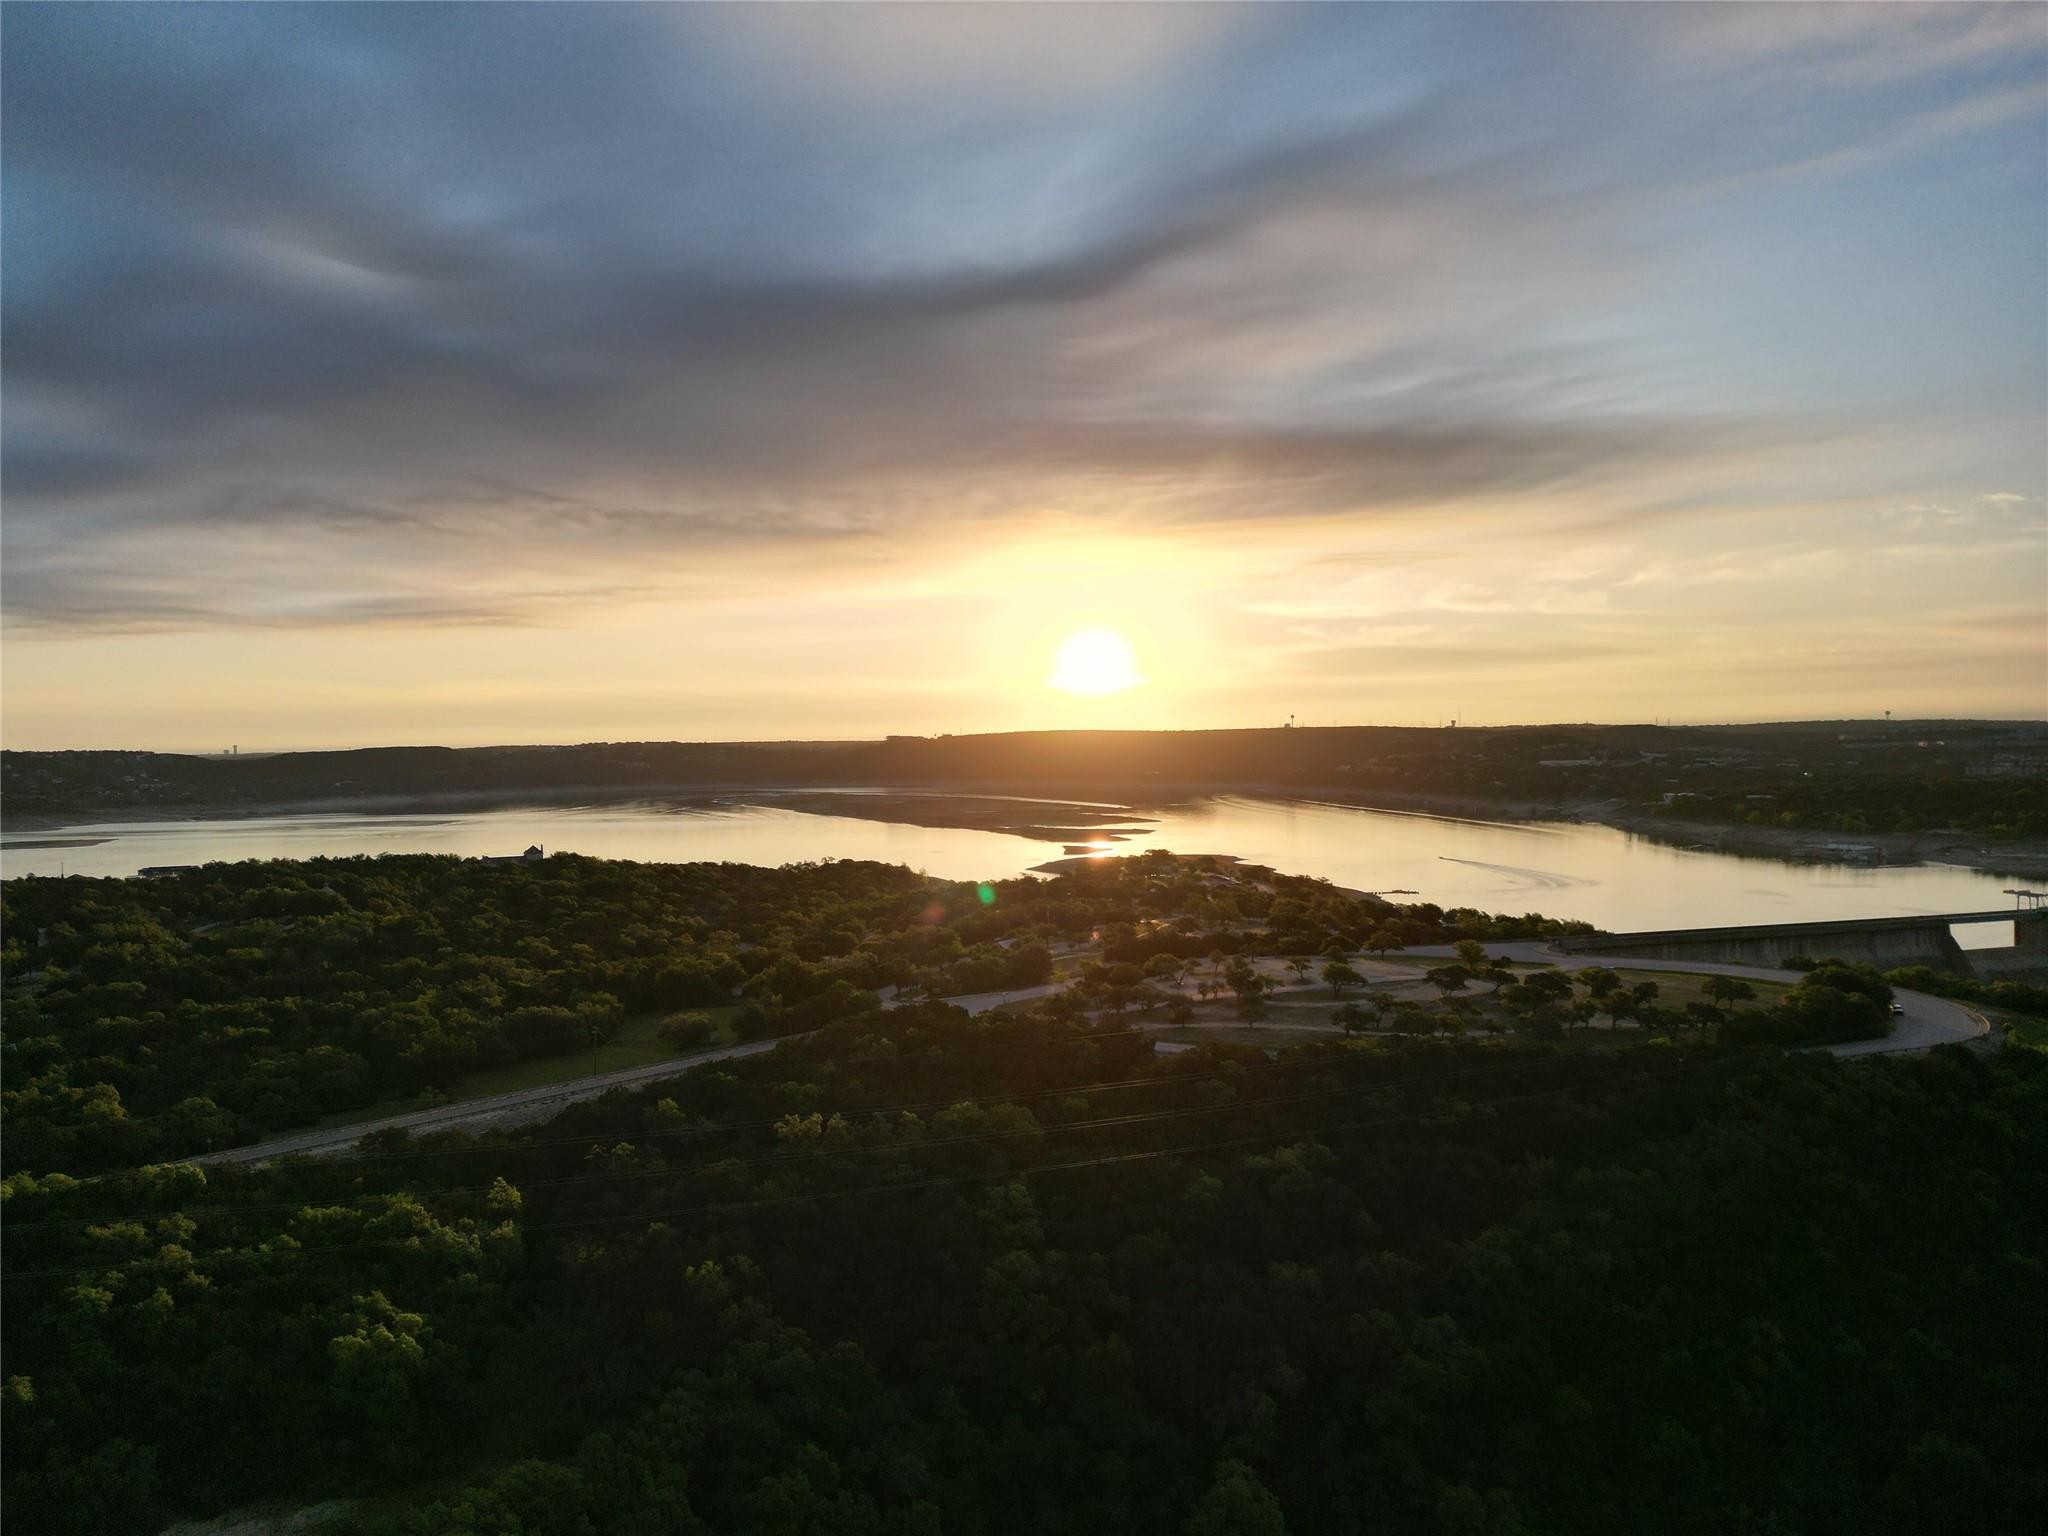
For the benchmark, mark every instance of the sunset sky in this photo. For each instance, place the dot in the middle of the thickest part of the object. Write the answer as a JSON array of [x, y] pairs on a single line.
[[481, 374]]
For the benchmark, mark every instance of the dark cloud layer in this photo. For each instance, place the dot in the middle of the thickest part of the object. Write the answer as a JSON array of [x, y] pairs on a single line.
[[368, 281]]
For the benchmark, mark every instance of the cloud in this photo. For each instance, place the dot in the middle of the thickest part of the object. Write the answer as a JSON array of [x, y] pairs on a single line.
[[397, 314], [1845, 45], [886, 51]]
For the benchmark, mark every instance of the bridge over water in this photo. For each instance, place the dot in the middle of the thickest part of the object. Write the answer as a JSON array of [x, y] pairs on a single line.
[[1881, 941]]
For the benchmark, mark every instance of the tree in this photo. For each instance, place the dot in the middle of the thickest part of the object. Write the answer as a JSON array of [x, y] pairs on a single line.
[[1471, 954], [1701, 1015], [686, 1031], [1448, 978], [1728, 989], [1338, 975], [1123, 982], [1600, 983], [198, 1125], [1539, 1001], [379, 1369], [1409, 1019], [1029, 965], [1820, 1010], [1237, 1504], [1382, 939], [1066, 1006], [599, 1014], [1251, 988]]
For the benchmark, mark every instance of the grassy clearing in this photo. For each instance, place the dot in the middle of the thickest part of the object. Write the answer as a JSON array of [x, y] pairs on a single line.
[[1298, 1012], [1690, 984], [2026, 1029], [1242, 1034], [635, 1044]]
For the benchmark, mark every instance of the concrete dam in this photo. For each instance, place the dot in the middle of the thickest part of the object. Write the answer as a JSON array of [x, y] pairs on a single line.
[[1880, 941]]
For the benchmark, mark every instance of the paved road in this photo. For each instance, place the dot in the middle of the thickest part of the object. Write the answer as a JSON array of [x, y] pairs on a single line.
[[529, 1104], [502, 1109], [1923, 1023], [982, 1002]]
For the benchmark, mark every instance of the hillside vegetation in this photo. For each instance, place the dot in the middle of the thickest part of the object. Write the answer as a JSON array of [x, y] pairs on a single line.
[[921, 1273], [1989, 778], [149, 1019]]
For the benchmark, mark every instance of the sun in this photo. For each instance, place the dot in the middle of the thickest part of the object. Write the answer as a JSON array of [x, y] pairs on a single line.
[[1094, 662]]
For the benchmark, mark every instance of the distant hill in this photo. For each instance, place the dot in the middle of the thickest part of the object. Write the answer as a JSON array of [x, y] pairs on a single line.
[[1727, 767]]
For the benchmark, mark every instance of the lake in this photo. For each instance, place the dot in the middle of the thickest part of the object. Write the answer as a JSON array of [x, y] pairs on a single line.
[[1609, 878]]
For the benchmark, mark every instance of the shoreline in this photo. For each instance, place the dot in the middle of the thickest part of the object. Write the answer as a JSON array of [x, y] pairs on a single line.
[[1084, 816], [1038, 818]]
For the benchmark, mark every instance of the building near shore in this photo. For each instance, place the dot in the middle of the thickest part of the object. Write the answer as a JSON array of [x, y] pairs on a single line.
[[532, 855]]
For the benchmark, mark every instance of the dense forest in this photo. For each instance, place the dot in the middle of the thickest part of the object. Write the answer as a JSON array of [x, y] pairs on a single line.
[[159, 1018], [918, 1273], [914, 1271]]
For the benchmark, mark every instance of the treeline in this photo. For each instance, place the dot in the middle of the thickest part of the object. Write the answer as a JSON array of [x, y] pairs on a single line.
[[1992, 808], [152, 1019], [1914, 769], [918, 1272], [159, 1018]]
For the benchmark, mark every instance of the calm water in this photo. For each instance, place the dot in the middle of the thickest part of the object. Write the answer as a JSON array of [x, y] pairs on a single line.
[[1606, 877]]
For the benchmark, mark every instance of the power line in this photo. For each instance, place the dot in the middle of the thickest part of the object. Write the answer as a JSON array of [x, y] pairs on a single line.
[[728, 1207], [787, 1158], [1036, 1128], [596, 1137], [683, 1066]]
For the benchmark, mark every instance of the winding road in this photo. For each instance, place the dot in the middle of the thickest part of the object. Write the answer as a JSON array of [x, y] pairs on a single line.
[[520, 1107], [1923, 1023]]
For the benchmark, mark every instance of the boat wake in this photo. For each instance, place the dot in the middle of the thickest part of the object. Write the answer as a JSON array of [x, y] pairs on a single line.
[[1531, 879]]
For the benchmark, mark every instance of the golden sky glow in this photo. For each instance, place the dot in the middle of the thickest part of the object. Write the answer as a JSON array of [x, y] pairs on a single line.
[[754, 372]]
